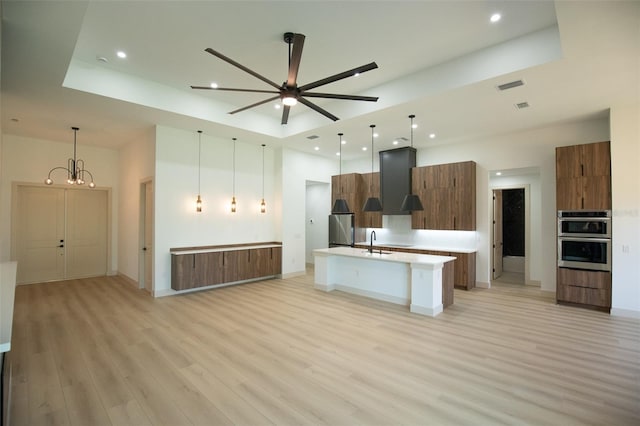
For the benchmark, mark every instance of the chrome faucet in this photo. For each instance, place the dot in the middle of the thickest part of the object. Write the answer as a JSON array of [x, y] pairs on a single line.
[[371, 240]]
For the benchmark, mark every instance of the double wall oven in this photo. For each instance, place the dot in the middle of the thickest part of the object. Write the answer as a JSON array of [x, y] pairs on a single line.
[[584, 239]]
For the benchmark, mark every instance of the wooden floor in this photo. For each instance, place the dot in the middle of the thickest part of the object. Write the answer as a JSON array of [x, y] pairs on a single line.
[[97, 351]]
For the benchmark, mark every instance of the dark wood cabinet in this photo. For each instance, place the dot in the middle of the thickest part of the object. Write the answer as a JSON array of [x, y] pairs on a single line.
[[583, 177], [448, 195], [355, 188], [587, 288], [206, 268]]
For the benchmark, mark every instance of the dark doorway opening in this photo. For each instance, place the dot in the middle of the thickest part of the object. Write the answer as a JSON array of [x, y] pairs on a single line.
[[513, 222]]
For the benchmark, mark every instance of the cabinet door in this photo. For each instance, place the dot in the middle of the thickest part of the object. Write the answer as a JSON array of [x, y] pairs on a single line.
[[596, 192], [585, 287], [465, 270], [276, 261], [418, 187], [464, 182], [260, 261], [596, 159], [568, 162], [236, 265], [182, 271], [209, 269], [370, 187], [569, 193]]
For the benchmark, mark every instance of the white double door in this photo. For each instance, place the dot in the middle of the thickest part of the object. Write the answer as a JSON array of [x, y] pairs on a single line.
[[60, 233]]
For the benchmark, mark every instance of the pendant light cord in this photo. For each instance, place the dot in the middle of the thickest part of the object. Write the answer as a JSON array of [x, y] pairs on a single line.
[[199, 155], [371, 180], [234, 167], [412, 117], [340, 167], [263, 171]]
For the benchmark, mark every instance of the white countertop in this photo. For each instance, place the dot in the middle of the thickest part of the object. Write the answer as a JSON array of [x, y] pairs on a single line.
[[217, 249], [398, 257], [419, 247]]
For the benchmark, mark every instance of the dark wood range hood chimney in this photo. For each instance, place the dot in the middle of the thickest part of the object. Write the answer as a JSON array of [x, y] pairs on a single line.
[[395, 178]]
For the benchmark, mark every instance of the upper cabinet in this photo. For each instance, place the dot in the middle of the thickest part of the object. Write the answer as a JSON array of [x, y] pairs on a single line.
[[583, 177], [355, 188], [448, 194]]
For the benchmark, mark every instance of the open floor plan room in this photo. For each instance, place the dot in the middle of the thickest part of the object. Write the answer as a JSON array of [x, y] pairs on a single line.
[[97, 351]]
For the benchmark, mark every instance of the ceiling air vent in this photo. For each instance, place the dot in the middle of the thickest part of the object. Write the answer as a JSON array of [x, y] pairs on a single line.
[[522, 105], [312, 137], [510, 85]]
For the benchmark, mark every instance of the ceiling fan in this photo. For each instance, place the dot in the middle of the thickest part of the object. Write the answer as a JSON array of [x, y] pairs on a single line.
[[289, 92]]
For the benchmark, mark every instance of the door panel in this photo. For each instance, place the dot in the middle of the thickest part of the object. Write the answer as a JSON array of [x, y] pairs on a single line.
[[86, 233], [497, 233], [39, 231], [148, 237]]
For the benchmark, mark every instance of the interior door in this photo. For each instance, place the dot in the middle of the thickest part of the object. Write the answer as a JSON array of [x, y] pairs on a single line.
[[148, 237], [86, 241], [40, 234], [497, 233]]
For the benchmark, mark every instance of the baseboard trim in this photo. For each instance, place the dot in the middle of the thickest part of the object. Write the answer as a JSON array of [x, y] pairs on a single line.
[[128, 279], [534, 283], [626, 313], [422, 310], [481, 284], [293, 274], [172, 292]]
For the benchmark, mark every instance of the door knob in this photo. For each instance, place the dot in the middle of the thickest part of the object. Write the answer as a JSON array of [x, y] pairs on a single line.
[[61, 245], [144, 249]]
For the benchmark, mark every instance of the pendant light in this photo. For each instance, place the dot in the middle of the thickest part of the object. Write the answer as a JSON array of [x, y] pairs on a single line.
[[75, 168], [199, 200], [372, 204], [411, 201], [233, 199], [263, 205], [340, 206]]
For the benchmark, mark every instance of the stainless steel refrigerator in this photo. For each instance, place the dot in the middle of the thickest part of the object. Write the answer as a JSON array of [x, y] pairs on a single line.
[[341, 230]]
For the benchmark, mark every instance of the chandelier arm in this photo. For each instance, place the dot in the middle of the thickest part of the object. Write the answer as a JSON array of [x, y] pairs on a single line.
[[56, 168]]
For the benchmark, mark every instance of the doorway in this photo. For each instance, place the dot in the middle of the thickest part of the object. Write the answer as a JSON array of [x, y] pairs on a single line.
[[510, 213], [59, 233], [145, 259]]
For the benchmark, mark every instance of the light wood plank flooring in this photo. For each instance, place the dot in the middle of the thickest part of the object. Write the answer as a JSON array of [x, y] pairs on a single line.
[[99, 352]]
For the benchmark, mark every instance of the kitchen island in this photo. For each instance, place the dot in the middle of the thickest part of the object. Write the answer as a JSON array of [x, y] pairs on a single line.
[[424, 282]]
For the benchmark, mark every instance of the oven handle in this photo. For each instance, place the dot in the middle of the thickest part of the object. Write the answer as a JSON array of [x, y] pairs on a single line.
[[584, 219], [585, 239]]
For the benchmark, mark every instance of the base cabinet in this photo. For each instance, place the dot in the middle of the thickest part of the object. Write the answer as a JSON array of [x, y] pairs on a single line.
[[464, 267], [587, 288], [204, 269]]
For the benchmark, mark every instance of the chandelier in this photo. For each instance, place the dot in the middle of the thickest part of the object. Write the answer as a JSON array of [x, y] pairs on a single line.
[[75, 168]]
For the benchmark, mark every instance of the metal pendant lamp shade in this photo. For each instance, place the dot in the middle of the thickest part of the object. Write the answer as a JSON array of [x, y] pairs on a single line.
[[411, 202], [340, 206], [372, 204]]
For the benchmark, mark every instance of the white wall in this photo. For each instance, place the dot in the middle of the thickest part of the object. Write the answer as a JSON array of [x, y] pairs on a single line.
[[136, 163], [318, 198], [534, 148], [176, 222], [625, 180], [297, 169], [28, 160]]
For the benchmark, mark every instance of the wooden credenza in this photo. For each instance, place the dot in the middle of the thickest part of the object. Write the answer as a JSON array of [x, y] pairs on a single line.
[[194, 267]]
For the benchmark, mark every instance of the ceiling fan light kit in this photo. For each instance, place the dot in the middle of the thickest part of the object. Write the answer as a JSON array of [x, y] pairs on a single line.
[[289, 92]]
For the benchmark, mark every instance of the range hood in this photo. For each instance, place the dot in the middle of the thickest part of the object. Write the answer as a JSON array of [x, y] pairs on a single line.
[[395, 178]]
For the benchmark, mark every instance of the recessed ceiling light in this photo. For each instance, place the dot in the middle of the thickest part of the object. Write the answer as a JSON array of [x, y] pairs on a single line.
[[214, 85], [276, 106], [364, 148], [432, 135], [414, 126], [338, 154], [344, 142], [495, 17], [395, 142], [357, 74], [121, 54], [375, 135], [102, 59], [498, 173], [317, 148]]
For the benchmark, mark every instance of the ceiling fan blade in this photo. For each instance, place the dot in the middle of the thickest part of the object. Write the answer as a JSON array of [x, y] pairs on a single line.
[[335, 96], [233, 90], [242, 67], [318, 109], [285, 114], [255, 105], [340, 76], [294, 61]]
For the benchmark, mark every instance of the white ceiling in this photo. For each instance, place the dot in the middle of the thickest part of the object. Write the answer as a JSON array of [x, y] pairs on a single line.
[[439, 60]]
